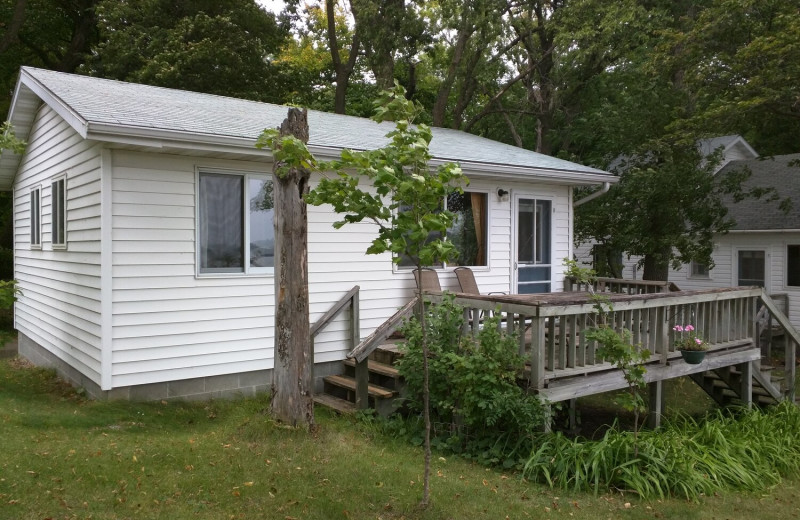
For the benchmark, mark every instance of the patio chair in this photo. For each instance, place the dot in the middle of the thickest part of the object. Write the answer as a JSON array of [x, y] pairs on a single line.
[[430, 280], [466, 280]]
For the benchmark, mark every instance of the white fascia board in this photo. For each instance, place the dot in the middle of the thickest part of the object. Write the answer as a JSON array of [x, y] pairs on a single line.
[[748, 231], [72, 118], [159, 139]]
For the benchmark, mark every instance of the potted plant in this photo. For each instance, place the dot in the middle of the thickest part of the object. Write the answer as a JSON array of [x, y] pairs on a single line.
[[691, 346]]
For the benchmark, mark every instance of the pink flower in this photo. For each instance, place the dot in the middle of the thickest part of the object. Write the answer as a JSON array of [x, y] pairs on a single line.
[[688, 328], [698, 341], [678, 328]]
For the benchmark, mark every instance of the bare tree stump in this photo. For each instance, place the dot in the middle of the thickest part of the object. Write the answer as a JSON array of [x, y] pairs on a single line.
[[292, 379]]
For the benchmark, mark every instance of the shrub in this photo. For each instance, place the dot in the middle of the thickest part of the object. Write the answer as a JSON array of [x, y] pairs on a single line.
[[475, 398], [748, 450]]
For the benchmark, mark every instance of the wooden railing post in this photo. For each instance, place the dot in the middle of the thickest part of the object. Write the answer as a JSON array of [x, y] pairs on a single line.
[[361, 369], [537, 352]]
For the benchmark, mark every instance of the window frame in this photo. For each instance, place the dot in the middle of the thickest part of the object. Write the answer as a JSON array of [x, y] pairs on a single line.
[[445, 266], [788, 245], [247, 270], [35, 216], [695, 266], [58, 212]]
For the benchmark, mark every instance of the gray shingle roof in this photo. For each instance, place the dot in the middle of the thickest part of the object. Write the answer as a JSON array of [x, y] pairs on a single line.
[[130, 105], [781, 172]]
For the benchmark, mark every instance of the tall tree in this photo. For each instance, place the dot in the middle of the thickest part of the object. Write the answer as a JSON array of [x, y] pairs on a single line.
[[54, 34], [292, 375], [405, 206], [217, 47]]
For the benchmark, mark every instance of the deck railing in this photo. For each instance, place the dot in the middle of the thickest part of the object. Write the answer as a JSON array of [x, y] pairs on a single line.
[[619, 285], [553, 326]]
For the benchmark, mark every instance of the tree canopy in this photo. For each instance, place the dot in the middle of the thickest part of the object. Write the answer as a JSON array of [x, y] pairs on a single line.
[[585, 80]]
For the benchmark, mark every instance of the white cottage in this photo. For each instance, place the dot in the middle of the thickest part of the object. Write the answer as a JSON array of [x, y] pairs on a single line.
[[146, 265]]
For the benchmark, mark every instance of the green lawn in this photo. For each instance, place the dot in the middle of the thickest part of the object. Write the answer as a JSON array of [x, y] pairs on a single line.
[[65, 457]]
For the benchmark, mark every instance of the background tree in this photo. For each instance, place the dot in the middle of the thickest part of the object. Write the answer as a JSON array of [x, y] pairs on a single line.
[[217, 47], [53, 34]]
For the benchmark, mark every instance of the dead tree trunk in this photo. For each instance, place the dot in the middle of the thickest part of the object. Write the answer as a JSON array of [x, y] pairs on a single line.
[[292, 377]]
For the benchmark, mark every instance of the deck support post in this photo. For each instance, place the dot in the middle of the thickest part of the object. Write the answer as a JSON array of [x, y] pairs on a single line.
[[746, 390], [547, 408], [573, 419], [655, 394]]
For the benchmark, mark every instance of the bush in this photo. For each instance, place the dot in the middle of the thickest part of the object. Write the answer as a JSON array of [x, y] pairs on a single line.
[[749, 450], [475, 399]]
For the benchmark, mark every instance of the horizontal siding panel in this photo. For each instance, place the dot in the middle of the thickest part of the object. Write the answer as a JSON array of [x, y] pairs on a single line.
[[191, 291], [86, 281], [62, 337], [195, 316], [163, 247], [153, 186], [89, 302], [152, 210], [158, 365], [149, 306], [126, 197], [192, 338], [195, 349], [154, 258], [86, 365], [196, 287], [136, 234], [222, 323], [139, 378], [154, 223], [152, 270]]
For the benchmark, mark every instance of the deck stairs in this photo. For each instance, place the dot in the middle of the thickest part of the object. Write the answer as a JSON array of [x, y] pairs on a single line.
[[385, 383], [724, 385]]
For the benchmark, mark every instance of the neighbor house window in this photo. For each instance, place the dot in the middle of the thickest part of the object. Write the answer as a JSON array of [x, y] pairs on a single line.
[[699, 270], [468, 232], [235, 223], [793, 265], [58, 206], [36, 217]]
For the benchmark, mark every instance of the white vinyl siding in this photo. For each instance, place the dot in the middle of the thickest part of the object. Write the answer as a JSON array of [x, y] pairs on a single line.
[[60, 303], [169, 323]]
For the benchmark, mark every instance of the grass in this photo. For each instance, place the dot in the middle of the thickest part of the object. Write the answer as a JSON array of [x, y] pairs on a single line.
[[64, 457]]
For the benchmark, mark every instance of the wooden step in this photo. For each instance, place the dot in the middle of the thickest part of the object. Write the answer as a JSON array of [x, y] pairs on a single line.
[[376, 367], [340, 405], [350, 384]]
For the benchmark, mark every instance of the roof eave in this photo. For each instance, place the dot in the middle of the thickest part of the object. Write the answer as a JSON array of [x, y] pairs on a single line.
[[159, 139]]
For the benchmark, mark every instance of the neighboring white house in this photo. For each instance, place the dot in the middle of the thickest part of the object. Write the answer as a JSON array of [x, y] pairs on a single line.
[[145, 257], [732, 147], [763, 248]]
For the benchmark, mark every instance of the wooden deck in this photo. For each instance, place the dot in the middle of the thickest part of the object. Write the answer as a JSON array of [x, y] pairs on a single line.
[[564, 364]]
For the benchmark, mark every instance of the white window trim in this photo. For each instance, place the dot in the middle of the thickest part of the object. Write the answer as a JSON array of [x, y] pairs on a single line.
[[38, 223], [63, 213], [246, 175], [694, 276], [767, 264], [396, 268]]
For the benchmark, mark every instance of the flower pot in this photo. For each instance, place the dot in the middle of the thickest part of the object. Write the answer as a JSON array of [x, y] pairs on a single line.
[[693, 357]]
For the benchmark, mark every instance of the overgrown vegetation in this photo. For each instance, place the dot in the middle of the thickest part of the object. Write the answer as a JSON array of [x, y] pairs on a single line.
[[744, 450], [475, 400]]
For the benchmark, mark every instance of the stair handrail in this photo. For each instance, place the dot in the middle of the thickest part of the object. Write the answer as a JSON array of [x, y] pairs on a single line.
[[335, 310], [792, 340], [371, 342]]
